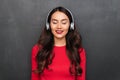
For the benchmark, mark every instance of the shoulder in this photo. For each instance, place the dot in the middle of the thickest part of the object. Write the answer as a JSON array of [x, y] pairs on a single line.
[[35, 49], [82, 52]]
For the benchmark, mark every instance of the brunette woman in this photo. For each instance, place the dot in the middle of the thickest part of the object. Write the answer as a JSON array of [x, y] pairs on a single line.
[[58, 54]]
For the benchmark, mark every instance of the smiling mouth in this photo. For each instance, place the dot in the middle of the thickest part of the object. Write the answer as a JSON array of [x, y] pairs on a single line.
[[59, 31]]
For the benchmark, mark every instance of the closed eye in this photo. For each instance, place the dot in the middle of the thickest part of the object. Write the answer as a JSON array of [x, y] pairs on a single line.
[[64, 21], [54, 21]]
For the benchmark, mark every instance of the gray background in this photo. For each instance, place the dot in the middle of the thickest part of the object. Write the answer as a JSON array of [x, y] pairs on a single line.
[[98, 22]]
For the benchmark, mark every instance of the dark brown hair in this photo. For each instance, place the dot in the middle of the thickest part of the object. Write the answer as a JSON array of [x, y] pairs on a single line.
[[46, 44]]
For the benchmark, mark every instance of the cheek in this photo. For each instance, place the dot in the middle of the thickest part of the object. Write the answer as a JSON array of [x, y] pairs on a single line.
[[53, 30], [66, 30], [52, 27]]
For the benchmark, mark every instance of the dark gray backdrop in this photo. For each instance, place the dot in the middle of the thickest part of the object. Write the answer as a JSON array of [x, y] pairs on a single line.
[[98, 21]]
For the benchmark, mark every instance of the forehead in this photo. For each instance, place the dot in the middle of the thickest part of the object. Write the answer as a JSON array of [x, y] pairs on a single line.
[[59, 15]]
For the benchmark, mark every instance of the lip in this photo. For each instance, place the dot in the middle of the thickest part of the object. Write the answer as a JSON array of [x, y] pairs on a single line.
[[59, 31]]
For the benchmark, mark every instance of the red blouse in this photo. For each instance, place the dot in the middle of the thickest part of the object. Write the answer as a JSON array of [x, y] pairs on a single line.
[[59, 66]]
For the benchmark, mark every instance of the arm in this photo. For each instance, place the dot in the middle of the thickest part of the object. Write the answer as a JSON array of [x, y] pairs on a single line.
[[83, 65], [34, 76]]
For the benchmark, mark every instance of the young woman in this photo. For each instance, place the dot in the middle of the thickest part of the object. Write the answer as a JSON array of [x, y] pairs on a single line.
[[59, 55]]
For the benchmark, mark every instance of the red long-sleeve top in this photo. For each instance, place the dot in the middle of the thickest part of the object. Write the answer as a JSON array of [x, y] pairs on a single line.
[[59, 66]]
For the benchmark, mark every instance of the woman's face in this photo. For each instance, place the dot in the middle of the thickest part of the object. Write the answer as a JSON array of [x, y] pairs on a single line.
[[59, 24]]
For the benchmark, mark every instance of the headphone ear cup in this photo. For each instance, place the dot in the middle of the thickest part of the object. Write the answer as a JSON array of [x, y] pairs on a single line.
[[72, 26], [47, 26]]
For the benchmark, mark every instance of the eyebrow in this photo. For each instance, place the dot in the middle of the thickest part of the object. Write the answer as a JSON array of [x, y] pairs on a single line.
[[57, 20], [54, 20], [64, 19]]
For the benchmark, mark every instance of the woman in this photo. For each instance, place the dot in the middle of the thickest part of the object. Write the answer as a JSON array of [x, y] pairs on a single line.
[[58, 55]]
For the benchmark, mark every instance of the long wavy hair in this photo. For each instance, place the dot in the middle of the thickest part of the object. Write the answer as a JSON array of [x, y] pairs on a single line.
[[46, 44]]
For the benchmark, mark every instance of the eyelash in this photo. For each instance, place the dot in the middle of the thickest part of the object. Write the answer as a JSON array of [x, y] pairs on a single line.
[[56, 23], [64, 23]]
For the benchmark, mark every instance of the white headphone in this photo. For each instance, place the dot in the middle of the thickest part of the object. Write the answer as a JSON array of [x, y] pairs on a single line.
[[71, 24]]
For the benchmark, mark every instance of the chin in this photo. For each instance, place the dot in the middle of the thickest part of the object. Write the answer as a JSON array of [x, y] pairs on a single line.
[[59, 37]]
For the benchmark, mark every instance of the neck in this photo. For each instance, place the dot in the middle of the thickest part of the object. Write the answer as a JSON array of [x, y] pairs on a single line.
[[59, 42]]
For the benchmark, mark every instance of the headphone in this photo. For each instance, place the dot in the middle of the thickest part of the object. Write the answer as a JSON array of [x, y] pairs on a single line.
[[71, 24]]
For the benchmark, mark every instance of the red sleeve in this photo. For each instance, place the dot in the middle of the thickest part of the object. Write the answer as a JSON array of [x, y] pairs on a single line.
[[82, 64], [34, 76]]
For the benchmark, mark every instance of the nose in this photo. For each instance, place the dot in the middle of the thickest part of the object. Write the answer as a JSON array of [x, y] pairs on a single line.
[[59, 25]]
